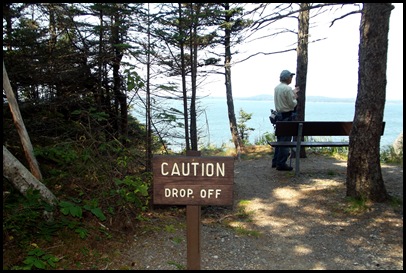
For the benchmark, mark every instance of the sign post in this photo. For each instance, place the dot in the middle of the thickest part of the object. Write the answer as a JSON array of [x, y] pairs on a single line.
[[193, 181], [193, 234]]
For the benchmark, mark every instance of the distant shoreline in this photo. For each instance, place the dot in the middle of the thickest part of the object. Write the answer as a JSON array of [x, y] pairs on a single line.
[[266, 97]]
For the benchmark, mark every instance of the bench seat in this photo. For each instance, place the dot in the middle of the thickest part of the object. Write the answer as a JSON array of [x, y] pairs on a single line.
[[300, 129], [309, 144]]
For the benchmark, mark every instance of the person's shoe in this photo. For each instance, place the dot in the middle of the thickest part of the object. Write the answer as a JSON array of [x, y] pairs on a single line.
[[284, 168]]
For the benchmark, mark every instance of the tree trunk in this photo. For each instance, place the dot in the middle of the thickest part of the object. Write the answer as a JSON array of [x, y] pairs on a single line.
[[22, 132], [364, 176], [183, 71], [230, 102], [195, 8], [22, 179], [120, 96], [148, 150], [302, 61]]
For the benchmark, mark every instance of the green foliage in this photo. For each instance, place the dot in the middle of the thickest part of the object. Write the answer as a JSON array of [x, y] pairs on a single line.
[[92, 112], [247, 232], [390, 155], [241, 211], [242, 216], [263, 140], [356, 205], [213, 150], [134, 81], [122, 161], [24, 219], [177, 240], [38, 259], [178, 266], [134, 190], [68, 208], [61, 154], [82, 232], [92, 206], [170, 228], [80, 163], [243, 129], [23, 216], [172, 116]]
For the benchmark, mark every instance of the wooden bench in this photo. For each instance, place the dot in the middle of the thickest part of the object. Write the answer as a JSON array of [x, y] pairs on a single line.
[[311, 128]]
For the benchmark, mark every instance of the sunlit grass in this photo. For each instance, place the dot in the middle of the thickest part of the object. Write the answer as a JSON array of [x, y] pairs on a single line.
[[241, 220], [247, 232], [390, 155], [356, 205]]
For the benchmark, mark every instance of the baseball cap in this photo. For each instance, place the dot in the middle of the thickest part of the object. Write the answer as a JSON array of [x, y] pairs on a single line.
[[285, 74]]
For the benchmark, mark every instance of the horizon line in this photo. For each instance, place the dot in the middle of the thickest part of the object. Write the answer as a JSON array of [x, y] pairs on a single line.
[[310, 96]]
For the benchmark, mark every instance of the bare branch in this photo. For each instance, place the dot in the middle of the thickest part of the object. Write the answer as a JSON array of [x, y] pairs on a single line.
[[345, 15], [271, 18], [275, 52], [265, 53]]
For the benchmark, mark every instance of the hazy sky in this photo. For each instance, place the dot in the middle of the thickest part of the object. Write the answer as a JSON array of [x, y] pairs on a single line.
[[333, 62]]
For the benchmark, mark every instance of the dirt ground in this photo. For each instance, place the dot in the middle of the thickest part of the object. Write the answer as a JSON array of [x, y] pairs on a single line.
[[289, 222]]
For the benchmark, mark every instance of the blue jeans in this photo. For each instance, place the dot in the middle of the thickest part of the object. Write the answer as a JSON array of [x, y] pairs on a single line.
[[281, 153]]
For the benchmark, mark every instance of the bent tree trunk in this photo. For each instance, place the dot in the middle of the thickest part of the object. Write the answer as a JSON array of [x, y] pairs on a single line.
[[18, 121], [22, 179]]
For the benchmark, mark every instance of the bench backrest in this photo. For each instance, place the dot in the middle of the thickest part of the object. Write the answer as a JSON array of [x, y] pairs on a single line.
[[315, 128]]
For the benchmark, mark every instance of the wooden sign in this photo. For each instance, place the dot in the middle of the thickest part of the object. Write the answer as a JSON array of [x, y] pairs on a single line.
[[193, 180]]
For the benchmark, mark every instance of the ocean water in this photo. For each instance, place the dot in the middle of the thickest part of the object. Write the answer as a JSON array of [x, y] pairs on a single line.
[[215, 128]]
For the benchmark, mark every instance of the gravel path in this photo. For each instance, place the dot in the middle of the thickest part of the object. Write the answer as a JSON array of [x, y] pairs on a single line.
[[280, 222]]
